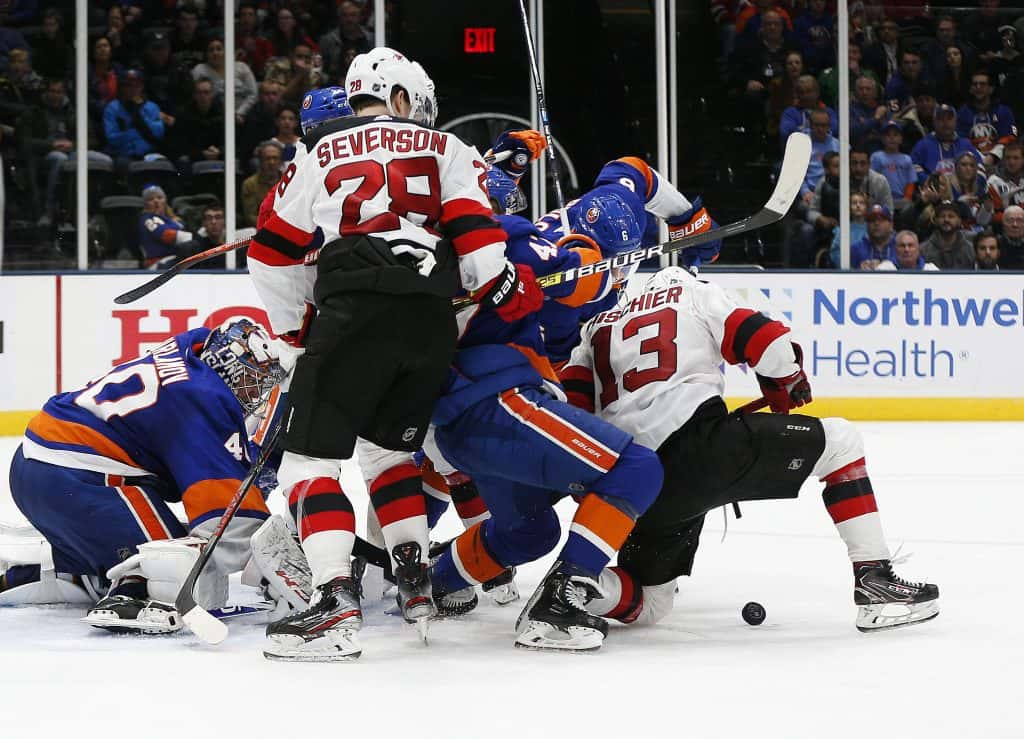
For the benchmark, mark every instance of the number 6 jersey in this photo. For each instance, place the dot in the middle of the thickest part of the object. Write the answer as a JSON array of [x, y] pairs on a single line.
[[377, 176], [649, 362]]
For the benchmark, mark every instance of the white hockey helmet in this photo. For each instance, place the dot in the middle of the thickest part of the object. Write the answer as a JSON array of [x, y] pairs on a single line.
[[377, 72], [668, 277]]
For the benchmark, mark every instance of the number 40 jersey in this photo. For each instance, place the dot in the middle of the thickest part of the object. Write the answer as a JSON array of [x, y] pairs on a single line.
[[649, 363], [166, 414]]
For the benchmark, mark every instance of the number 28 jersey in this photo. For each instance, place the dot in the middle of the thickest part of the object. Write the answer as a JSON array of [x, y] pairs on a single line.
[[648, 363], [378, 176]]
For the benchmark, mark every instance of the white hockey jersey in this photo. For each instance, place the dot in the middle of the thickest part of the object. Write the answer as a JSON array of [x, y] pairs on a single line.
[[647, 364], [380, 176]]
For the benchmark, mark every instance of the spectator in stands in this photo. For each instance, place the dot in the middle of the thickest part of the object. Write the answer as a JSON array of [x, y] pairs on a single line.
[[198, 134], [797, 117], [1007, 63], [986, 251], [955, 76], [873, 184], [893, 164], [947, 247], [918, 118], [296, 75], [898, 91], [782, 90], [934, 50], [938, 151], [10, 39], [251, 46], [20, 87], [920, 216], [829, 79], [907, 253], [754, 65], [883, 55], [812, 31], [750, 19], [822, 141], [288, 133], [348, 34], [858, 227], [256, 186], [823, 211], [162, 235], [988, 125], [167, 81], [21, 12], [287, 34], [132, 124], [213, 70], [188, 46], [103, 77], [1011, 242], [51, 50], [45, 136], [1006, 186], [260, 124], [878, 244], [866, 115], [124, 44], [212, 232], [981, 29], [970, 190]]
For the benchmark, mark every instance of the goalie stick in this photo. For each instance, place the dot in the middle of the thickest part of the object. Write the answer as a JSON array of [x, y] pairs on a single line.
[[787, 187], [177, 268], [202, 623]]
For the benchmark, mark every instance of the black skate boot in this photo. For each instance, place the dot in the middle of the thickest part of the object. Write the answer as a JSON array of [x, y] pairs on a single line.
[[327, 631], [887, 601], [502, 588], [455, 602], [413, 581], [555, 618]]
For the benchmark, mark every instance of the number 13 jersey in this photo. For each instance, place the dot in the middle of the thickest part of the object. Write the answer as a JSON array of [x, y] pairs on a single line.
[[648, 363], [377, 176]]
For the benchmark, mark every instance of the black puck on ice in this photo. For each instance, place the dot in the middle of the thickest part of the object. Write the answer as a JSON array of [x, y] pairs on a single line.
[[753, 613]]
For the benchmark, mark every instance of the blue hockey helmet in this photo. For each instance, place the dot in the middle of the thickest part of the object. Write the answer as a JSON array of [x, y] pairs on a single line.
[[323, 105], [606, 217], [244, 356], [506, 197]]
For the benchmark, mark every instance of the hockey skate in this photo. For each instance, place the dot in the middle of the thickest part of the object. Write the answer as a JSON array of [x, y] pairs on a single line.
[[414, 591], [502, 588], [124, 614], [555, 618], [886, 601], [327, 631], [455, 603]]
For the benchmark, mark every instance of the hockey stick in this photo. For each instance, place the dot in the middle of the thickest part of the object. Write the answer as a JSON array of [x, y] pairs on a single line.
[[203, 624], [787, 187], [177, 268], [542, 110]]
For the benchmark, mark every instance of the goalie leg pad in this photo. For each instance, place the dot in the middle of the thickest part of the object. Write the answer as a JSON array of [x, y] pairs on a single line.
[[281, 562]]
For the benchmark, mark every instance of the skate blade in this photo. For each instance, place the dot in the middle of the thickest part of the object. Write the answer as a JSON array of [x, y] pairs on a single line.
[[132, 625], [335, 647], [542, 637], [422, 627], [895, 615]]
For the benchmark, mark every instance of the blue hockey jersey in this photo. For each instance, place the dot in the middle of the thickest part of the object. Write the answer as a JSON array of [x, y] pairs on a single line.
[[166, 414]]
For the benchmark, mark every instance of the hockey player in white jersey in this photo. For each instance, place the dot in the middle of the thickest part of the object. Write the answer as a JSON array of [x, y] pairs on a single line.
[[406, 226], [651, 367]]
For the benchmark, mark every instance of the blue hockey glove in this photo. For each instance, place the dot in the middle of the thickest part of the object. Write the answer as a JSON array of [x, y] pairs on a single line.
[[513, 150]]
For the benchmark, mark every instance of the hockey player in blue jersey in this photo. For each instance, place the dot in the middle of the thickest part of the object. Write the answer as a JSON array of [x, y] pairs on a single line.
[[98, 466], [502, 406]]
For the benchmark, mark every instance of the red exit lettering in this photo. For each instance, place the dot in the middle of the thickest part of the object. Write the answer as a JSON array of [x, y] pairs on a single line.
[[478, 40]]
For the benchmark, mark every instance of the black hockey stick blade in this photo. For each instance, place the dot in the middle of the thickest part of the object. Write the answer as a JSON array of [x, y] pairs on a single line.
[[202, 623], [175, 269]]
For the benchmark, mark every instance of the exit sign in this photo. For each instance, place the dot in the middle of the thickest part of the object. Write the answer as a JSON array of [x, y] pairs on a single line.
[[478, 40]]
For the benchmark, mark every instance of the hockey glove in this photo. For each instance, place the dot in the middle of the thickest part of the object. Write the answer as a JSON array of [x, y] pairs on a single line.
[[694, 221], [514, 150], [785, 393], [513, 294]]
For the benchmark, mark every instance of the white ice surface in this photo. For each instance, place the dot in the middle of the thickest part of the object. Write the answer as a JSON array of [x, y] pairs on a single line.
[[951, 493]]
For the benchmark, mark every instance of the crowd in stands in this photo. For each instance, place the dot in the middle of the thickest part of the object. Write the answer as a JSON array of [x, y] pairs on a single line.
[[156, 86], [936, 161]]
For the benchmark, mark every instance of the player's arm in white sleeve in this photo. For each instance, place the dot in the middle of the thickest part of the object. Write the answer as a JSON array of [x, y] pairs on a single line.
[[467, 219], [744, 335], [577, 376], [276, 253]]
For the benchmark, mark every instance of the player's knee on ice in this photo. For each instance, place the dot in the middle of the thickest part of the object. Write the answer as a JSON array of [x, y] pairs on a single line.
[[843, 445], [636, 478]]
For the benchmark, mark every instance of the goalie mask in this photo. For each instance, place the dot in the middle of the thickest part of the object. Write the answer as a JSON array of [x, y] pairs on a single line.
[[376, 73], [505, 195], [244, 356]]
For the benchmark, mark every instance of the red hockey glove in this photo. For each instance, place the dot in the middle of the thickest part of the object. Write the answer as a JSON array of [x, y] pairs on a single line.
[[785, 393], [513, 294]]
